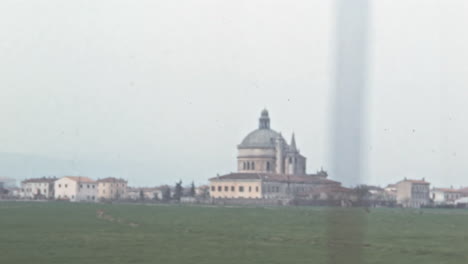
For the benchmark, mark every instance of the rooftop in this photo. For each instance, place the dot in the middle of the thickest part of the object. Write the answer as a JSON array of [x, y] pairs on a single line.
[[270, 177], [80, 179], [40, 180], [423, 181], [112, 180]]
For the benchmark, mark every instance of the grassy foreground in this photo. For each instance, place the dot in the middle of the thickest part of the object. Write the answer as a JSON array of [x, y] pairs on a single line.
[[75, 233]]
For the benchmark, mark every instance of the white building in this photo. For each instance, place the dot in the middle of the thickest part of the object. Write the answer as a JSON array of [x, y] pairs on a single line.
[[445, 196], [38, 188], [76, 189]]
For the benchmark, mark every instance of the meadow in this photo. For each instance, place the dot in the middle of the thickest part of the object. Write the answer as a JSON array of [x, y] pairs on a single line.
[[56, 232]]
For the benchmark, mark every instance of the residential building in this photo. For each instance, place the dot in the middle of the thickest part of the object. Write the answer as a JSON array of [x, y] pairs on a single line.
[[76, 189], [112, 189], [38, 188], [445, 196], [413, 193], [463, 191]]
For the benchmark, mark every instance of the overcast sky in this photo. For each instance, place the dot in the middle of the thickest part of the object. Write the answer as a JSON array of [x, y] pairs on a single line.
[[156, 91]]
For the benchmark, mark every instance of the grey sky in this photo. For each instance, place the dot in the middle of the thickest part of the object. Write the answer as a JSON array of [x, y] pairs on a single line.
[[154, 91]]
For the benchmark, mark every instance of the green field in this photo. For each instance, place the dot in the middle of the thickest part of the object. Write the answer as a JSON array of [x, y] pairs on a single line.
[[74, 233]]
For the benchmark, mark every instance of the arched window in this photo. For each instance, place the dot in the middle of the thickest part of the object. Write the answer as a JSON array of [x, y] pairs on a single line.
[[268, 166]]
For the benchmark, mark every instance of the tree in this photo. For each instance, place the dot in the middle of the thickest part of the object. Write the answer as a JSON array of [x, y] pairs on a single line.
[[178, 191], [192, 190], [155, 196], [362, 194], [166, 194]]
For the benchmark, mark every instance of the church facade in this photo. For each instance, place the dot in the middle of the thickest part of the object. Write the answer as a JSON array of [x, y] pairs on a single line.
[[268, 168]]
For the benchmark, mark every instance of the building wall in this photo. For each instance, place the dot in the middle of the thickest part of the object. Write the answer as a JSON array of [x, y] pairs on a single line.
[[74, 191], [444, 197], [295, 164], [87, 191], [31, 190], [260, 157], [65, 188], [411, 194], [236, 189], [112, 190]]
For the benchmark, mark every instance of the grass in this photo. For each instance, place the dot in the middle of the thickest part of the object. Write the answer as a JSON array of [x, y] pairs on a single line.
[[72, 233]]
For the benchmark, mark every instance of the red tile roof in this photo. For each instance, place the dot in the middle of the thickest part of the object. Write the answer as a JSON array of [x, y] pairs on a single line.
[[112, 180], [447, 190], [270, 177], [80, 179]]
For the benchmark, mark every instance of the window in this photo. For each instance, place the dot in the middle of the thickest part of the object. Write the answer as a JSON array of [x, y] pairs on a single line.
[[256, 188], [233, 188], [73, 196], [81, 185], [66, 185], [212, 188], [93, 186], [226, 189], [290, 160], [253, 165], [88, 186], [60, 185], [268, 166], [244, 166], [250, 188], [241, 188], [248, 165], [219, 189]]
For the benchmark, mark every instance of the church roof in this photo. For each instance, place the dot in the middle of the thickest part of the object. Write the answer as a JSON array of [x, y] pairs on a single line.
[[260, 138], [272, 177], [263, 137]]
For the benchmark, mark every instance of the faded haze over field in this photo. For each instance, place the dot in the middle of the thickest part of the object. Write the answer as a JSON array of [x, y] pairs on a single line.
[[156, 91]]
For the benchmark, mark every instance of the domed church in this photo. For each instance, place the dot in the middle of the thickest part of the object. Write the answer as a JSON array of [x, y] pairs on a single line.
[[265, 150], [269, 168]]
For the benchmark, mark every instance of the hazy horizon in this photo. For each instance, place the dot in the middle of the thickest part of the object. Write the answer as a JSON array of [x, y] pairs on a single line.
[[157, 91]]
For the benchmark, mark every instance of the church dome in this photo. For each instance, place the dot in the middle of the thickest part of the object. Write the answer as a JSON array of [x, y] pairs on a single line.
[[263, 137], [260, 138]]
